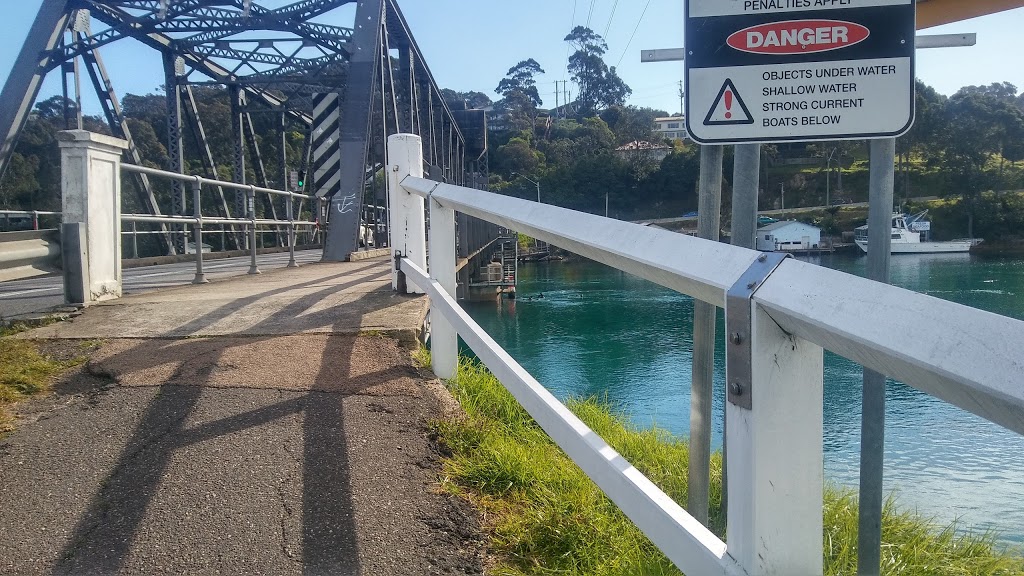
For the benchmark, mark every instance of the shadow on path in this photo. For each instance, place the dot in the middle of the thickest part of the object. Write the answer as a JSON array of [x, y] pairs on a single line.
[[102, 541]]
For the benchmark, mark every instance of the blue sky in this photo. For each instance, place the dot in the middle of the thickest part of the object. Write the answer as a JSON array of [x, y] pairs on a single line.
[[469, 45]]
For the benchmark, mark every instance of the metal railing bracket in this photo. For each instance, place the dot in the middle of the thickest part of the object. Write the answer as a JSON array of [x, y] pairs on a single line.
[[739, 376]]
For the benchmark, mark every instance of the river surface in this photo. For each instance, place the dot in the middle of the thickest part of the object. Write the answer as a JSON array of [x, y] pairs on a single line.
[[601, 332]]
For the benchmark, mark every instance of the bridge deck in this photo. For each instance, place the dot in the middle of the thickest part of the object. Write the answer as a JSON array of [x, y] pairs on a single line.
[[251, 425]]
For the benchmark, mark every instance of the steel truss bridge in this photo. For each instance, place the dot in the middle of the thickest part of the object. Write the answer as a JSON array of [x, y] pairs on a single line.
[[347, 88]]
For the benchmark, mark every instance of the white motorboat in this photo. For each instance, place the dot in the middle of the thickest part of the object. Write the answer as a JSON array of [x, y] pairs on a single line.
[[907, 233]]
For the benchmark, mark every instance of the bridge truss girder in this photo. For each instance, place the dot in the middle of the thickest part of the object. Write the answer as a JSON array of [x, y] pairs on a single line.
[[270, 60]]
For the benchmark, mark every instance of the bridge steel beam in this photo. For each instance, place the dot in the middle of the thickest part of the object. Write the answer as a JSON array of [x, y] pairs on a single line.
[[22, 86], [259, 167], [203, 144], [346, 206], [238, 165]]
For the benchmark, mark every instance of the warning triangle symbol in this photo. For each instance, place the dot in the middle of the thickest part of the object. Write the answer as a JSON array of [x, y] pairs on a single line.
[[728, 108]]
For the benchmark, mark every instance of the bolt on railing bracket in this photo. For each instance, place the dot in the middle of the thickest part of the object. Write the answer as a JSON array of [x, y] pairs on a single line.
[[739, 372]]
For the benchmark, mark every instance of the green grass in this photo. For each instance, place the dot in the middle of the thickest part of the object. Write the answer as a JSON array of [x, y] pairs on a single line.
[[24, 371], [545, 516]]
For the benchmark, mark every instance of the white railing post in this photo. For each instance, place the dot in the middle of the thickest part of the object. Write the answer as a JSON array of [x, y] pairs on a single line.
[[406, 223], [91, 195], [775, 454], [444, 341]]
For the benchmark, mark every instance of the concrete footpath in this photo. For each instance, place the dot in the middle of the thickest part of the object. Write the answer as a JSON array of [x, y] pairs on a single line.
[[258, 425]]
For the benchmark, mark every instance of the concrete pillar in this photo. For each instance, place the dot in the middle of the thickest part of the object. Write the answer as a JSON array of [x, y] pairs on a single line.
[[406, 219], [91, 195]]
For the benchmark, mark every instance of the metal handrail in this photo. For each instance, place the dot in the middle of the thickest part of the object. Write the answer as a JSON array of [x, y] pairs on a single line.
[[211, 220], [982, 358], [210, 181], [795, 310], [197, 220], [28, 213], [683, 539]]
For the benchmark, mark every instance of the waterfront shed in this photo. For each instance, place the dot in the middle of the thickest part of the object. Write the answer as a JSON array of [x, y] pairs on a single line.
[[788, 235]]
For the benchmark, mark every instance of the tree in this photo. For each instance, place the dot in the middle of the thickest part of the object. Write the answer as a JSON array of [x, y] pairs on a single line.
[[465, 100], [518, 156], [982, 121], [521, 98], [630, 123], [599, 85]]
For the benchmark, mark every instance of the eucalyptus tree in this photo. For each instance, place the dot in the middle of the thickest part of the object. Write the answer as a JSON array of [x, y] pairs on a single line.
[[599, 86], [520, 95]]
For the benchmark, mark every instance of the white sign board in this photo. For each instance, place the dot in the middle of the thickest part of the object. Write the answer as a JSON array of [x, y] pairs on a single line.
[[798, 70]]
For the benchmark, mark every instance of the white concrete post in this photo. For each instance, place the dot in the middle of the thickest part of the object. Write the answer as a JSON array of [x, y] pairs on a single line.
[[91, 195], [406, 223], [444, 341], [775, 457]]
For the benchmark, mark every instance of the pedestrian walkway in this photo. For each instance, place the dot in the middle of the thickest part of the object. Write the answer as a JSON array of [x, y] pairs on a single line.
[[258, 425]]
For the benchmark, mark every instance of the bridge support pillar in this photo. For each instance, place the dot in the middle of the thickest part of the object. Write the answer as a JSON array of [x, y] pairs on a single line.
[[406, 219], [91, 195]]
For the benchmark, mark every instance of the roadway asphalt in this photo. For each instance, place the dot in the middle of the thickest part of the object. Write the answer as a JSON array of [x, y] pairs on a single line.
[[38, 295]]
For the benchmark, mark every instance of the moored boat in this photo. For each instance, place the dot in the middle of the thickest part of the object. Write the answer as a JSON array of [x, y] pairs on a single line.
[[911, 235]]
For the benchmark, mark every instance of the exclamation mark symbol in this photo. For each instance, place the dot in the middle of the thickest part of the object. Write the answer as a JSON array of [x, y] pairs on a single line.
[[728, 104]]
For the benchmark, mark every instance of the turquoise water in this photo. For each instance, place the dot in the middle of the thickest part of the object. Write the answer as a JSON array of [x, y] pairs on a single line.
[[600, 332]]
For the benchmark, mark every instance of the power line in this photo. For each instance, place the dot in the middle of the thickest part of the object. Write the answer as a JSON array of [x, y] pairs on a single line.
[[610, 18], [591, 15], [634, 33]]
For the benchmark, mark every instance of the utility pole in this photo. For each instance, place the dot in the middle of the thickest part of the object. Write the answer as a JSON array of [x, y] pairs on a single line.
[[558, 112], [702, 375], [682, 97], [872, 434], [782, 188], [828, 178]]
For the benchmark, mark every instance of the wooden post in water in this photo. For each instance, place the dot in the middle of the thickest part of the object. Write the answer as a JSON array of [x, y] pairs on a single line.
[[701, 391]]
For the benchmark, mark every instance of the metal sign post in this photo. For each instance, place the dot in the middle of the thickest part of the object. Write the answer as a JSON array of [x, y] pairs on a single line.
[[788, 70]]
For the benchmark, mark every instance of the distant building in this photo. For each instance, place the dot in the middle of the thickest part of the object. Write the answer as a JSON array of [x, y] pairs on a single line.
[[644, 149], [671, 127], [788, 235]]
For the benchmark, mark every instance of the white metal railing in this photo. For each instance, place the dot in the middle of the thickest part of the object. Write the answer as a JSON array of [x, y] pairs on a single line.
[[197, 220], [961, 355], [8, 215]]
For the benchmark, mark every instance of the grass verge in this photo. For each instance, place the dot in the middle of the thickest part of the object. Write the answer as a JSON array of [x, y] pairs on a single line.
[[546, 517], [24, 371]]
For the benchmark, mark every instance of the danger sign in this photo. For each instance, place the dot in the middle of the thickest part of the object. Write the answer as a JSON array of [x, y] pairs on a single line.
[[799, 70]]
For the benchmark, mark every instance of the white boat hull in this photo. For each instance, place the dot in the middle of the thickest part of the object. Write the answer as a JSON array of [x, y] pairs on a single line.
[[924, 247]]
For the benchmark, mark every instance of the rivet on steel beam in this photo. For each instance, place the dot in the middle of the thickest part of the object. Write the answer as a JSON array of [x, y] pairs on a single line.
[[736, 338], [736, 389], [751, 286], [762, 258]]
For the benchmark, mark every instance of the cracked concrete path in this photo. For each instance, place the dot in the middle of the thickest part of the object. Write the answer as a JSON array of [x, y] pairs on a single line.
[[262, 453]]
